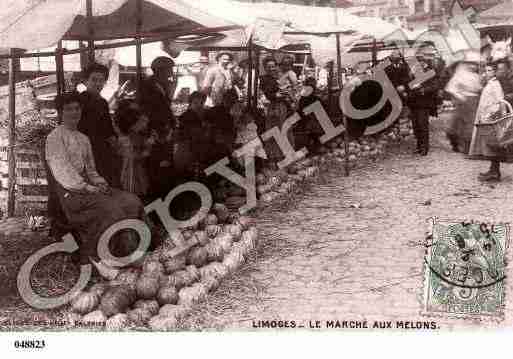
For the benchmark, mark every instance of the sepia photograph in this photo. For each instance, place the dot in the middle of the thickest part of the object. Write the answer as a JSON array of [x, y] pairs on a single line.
[[238, 166]]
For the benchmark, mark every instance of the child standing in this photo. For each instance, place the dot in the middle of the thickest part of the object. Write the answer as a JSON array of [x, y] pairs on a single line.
[[134, 146]]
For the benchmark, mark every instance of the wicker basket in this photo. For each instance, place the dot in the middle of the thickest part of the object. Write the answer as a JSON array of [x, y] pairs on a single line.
[[502, 125]]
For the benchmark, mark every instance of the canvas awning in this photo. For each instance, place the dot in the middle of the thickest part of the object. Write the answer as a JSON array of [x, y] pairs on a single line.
[[35, 24], [300, 19]]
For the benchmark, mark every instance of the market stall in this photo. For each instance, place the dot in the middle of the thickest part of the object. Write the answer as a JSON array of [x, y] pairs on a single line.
[[145, 21]]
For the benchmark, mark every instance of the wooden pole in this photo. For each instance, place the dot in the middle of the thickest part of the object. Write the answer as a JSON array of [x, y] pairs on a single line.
[[257, 76], [330, 86], [250, 74], [59, 68], [83, 55], [90, 31], [339, 78], [374, 52], [138, 43], [11, 191]]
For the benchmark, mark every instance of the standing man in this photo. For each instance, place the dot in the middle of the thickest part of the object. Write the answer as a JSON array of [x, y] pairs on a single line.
[[398, 72], [219, 79], [422, 102], [155, 98], [96, 123], [156, 94]]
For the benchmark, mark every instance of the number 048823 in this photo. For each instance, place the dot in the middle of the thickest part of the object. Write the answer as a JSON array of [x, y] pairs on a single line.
[[29, 344]]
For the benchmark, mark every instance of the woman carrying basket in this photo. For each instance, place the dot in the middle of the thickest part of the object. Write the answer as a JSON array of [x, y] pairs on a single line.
[[484, 144]]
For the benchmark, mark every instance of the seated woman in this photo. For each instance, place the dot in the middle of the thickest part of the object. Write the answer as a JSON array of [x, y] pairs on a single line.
[[89, 203]]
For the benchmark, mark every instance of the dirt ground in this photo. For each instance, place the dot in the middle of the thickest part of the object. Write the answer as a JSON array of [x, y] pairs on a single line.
[[351, 248]]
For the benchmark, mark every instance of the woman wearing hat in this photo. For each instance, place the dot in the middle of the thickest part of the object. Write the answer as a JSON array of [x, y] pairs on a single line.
[[484, 137]]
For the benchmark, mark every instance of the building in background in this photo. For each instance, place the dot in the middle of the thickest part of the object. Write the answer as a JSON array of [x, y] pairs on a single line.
[[424, 9]]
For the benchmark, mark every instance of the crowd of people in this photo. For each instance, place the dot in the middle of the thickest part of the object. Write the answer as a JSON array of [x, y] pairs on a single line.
[[104, 168]]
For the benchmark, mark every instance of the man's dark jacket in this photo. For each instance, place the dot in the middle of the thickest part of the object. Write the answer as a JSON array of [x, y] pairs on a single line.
[[97, 125], [155, 102], [425, 97]]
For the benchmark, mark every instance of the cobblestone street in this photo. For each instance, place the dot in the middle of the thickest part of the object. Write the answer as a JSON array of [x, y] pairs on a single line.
[[351, 248]]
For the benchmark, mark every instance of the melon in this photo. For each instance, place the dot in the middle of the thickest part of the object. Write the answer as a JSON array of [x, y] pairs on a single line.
[[215, 269], [127, 276], [240, 248], [236, 191], [233, 260], [211, 283], [222, 213], [176, 311], [85, 302], [212, 230], [214, 252], [191, 295], [283, 190], [233, 218], [151, 306], [198, 256], [193, 272], [188, 234], [211, 219], [202, 237], [180, 279], [147, 287], [292, 169], [167, 295], [263, 189], [172, 265], [235, 230], [117, 299], [99, 289], [225, 241], [153, 268]]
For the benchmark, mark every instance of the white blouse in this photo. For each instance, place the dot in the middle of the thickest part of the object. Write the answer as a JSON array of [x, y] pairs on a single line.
[[70, 158]]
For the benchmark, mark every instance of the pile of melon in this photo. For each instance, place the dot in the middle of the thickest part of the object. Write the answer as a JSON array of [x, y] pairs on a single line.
[[269, 184], [276, 184], [159, 290]]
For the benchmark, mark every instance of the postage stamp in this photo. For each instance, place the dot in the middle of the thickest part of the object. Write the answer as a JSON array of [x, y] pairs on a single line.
[[465, 269]]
